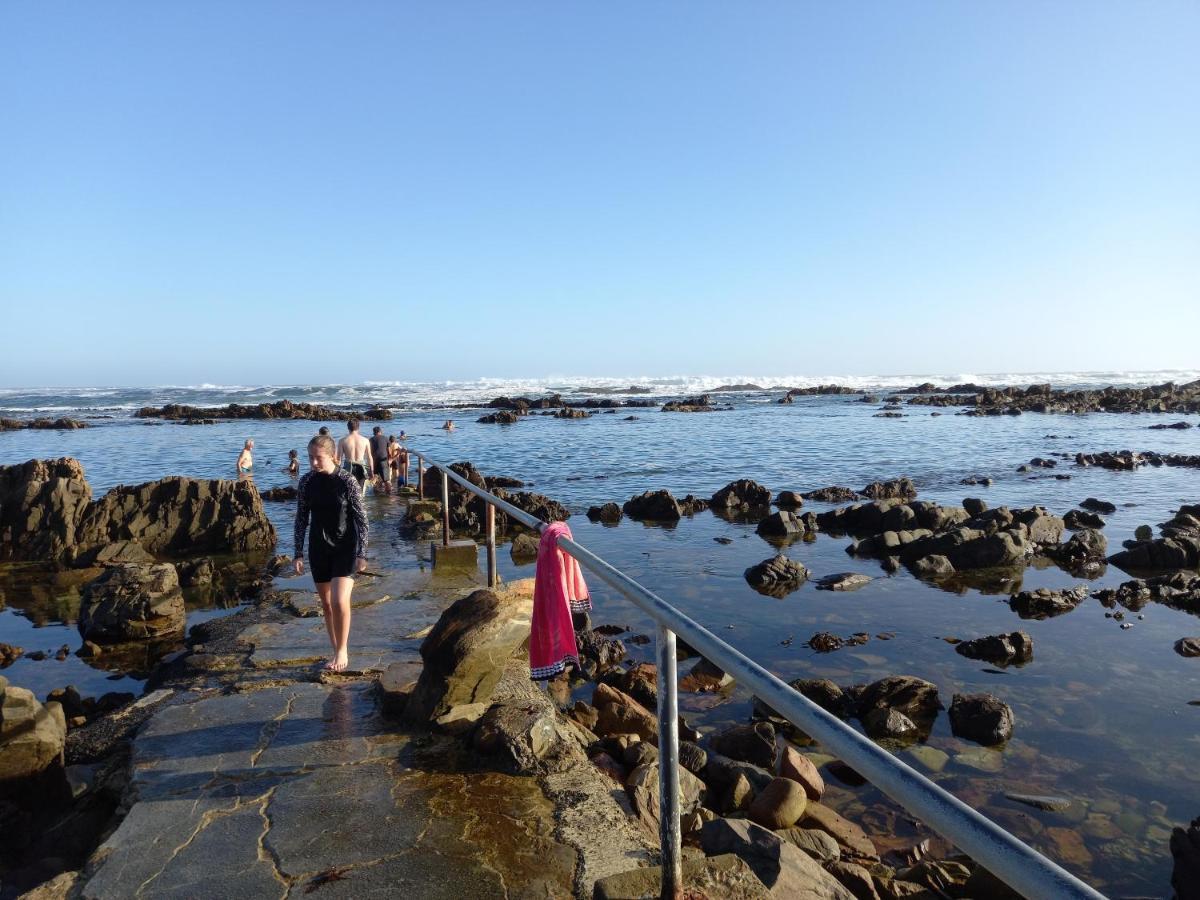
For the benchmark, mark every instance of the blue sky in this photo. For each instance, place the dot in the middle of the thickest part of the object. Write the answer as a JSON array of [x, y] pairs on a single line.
[[280, 192]]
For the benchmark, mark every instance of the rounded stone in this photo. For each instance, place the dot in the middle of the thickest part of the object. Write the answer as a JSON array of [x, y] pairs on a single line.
[[779, 805]]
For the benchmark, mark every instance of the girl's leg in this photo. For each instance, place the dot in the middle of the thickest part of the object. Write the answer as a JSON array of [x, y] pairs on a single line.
[[340, 603], [325, 592]]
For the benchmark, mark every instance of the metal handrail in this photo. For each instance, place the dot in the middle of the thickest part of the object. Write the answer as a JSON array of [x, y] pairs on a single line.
[[1005, 856]]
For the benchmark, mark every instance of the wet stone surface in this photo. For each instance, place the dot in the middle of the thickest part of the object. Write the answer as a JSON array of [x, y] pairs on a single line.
[[269, 793]]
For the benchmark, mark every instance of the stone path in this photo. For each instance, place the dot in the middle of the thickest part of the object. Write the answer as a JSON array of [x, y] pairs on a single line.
[[304, 789]]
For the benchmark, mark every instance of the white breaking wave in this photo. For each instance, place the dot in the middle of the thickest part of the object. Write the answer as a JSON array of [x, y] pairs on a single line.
[[423, 394]]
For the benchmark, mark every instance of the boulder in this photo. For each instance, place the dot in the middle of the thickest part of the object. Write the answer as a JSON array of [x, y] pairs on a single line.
[[724, 876], [527, 738], [642, 787], [782, 867], [974, 506], [654, 506], [1044, 603], [1085, 544], [817, 844], [609, 513], [777, 576], [133, 603], [800, 769], [888, 723], [692, 757], [618, 713], [742, 495], [41, 503], [934, 566], [720, 772], [752, 743], [781, 524], [779, 805], [900, 488], [1099, 506], [705, 677], [983, 718], [524, 547], [32, 736], [1188, 646], [1077, 518], [1015, 648], [915, 697], [465, 652], [851, 840], [789, 500], [832, 494]]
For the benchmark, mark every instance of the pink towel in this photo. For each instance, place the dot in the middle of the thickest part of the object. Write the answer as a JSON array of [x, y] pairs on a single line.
[[558, 591]]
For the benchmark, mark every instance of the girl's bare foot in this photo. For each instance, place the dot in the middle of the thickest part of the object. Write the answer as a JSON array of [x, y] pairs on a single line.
[[341, 663], [330, 665]]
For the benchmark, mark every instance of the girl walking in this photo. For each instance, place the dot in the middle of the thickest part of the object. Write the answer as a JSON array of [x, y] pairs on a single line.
[[330, 500]]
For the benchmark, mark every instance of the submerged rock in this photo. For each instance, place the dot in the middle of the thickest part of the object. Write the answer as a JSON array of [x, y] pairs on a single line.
[[900, 488], [742, 495], [843, 581], [983, 718], [609, 513], [1045, 603], [1189, 646]]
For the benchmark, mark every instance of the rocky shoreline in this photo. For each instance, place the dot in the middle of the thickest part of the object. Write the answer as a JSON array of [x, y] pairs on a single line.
[[280, 409], [445, 720]]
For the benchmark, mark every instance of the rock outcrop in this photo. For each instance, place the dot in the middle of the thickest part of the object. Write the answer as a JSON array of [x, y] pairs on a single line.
[[47, 515], [280, 409], [467, 649]]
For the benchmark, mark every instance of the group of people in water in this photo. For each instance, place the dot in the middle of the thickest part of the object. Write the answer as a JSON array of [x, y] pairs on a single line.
[[380, 460]]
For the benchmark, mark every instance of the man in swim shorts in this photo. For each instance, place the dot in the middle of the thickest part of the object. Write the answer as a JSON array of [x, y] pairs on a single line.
[[355, 452], [379, 457], [245, 460], [329, 507]]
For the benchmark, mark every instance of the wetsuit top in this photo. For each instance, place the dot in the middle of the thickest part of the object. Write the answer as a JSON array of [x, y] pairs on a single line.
[[334, 502]]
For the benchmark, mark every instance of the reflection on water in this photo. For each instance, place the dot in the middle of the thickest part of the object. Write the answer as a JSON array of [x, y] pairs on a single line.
[[1102, 713]]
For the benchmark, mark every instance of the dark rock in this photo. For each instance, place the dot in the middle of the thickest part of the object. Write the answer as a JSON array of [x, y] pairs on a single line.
[[786, 870], [974, 506], [524, 546], [777, 576], [843, 581], [1080, 519], [1189, 646], [692, 757], [1185, 849], [281, 409], [133, 603], [1015, 648], [609, 513], [742, 495], [654, 506], [832, 494], [900, 488], [527, 738], [1045, 603], [1099, 506], [915, 697], [278, 494], [781, 524], [888, 723], [789, 500], [702, 403], [752, 743], [934, 566], [982, 718], [503, 417]]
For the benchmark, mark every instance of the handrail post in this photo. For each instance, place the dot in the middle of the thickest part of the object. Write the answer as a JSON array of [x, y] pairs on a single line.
[[670, 835], [490, 529], [445, 509], [420, 477]]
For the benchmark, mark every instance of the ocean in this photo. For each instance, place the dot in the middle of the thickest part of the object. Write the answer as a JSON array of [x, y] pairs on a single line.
[[1103, 714]]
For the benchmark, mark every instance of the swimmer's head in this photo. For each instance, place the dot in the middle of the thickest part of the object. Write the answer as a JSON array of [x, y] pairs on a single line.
[[352, 425]]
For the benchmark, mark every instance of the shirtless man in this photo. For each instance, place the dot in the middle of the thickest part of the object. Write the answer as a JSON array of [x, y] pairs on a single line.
[[355, 452], [245, 460]]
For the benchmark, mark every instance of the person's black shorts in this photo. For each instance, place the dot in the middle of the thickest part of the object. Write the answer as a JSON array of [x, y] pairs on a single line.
[[328, 563], [359, 471]]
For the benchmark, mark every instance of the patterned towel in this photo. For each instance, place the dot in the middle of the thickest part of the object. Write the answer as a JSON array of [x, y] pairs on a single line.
[[558, 591]]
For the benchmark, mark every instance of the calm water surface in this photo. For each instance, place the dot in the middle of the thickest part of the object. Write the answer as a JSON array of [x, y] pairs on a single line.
[[1103, 714]]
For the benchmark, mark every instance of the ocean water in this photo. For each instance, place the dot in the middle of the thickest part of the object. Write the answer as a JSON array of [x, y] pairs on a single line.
[[1103, 714]]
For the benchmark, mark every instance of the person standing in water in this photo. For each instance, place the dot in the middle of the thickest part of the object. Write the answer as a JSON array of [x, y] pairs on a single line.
[[293, 466], [379, 458], [329, 499], [245, 460], [355, 451], [337, 457]]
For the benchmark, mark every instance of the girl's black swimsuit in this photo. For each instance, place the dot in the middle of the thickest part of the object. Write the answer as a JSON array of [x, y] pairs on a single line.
[[339, 523]]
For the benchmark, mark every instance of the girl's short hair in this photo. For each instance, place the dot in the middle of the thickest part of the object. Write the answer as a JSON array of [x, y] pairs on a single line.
[[322, 443]]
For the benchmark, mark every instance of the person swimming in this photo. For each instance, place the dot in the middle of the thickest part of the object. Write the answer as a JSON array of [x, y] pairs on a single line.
[[245, 460], [449, 426], [293, 466]]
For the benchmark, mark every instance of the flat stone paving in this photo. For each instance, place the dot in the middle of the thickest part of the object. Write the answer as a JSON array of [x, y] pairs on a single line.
[[304, 789]]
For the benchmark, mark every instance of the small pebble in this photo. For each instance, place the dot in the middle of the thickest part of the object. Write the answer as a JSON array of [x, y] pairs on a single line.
[[1125, 625]]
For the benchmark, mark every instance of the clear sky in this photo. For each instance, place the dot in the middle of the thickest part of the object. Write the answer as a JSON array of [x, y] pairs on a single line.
[[252, 192]]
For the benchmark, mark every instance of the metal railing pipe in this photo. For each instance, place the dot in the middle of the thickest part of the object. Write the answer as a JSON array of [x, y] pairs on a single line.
[[1006, 857]]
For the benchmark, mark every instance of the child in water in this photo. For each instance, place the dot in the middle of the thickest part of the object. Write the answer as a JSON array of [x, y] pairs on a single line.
[[293, 467]]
